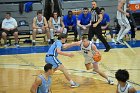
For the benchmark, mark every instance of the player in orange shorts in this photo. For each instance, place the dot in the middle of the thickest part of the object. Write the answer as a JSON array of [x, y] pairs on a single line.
[[88, 49]]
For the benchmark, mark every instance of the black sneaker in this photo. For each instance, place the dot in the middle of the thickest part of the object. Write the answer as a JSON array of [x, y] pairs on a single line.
[[34, 43], [107, 50]]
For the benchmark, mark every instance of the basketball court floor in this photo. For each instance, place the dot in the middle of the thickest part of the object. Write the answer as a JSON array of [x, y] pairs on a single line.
[[20, 66]]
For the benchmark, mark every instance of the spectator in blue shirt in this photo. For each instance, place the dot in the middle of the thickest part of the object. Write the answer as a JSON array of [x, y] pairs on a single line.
[[106, 22], [70, 23], [83, 22]]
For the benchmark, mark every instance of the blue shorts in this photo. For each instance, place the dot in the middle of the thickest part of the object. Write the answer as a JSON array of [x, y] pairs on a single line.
[[53, 60]]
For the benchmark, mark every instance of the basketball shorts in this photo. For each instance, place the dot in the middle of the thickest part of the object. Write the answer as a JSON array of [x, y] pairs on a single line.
[[53, 60]]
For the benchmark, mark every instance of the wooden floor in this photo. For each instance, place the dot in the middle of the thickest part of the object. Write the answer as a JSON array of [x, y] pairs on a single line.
[[17, 72]]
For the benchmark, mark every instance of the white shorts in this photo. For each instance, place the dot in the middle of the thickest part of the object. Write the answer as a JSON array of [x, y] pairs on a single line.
[[88, 59]]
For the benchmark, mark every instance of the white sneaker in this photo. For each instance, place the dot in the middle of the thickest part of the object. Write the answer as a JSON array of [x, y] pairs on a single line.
[[97, 41], [110, 82], [113, 40], [6, 45], [75, 85], [16, 45]]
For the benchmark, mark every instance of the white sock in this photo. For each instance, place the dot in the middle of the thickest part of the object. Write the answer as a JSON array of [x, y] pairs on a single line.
[[71, 82], [48, 40], [33, 40]]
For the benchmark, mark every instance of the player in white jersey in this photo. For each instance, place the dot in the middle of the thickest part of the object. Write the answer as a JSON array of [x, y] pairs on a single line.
[[40, 25], [88, 49], [122, 20], [56, 26], [123, 86]]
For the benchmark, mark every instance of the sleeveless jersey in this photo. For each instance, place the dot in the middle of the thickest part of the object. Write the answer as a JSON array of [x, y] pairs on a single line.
[[124, 89], [44, 87], [56, 24], [120, 15], [87, 51], [40, 23]]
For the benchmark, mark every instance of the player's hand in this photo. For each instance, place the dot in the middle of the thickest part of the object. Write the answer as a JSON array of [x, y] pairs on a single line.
[[103, 27], [84, 27], [127, 14], [135, 29], [95, 25], [71, 55]]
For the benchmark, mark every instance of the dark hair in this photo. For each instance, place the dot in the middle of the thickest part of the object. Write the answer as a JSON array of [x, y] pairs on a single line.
[[55, 12], [62, 35], [8, 13], [47, 67], [94, 1], [102, 8], [69, 11], [85, 8], [39, 12], [122, 75], [84, 37]]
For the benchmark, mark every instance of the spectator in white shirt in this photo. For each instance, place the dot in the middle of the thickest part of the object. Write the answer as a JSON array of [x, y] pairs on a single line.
[[9, 27]]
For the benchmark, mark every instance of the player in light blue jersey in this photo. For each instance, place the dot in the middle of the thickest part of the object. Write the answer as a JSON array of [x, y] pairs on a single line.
[[51, 57], [42, 83]]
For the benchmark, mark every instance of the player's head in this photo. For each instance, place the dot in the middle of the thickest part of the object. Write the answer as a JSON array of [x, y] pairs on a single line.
[[94, 4], [62, 37], [85, 10], [8, 15], [70, 13], [122, 75], [55, 14], [85, 39], [48, 68], [102, 10], [39, 14]]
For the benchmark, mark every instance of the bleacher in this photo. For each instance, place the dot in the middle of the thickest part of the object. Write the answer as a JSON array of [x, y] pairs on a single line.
[[12, 6]]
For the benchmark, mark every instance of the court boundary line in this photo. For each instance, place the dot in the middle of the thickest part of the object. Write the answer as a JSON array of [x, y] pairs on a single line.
[[130, 47]]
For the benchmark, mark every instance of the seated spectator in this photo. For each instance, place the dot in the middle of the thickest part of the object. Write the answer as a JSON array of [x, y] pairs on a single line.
[[83, 22], [9, 27], [56, 26], [105, 24], [40, 25], [70, 23]]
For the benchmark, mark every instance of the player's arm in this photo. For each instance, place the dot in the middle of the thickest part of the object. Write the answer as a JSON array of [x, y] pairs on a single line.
[[50, 23], [132, 90], [120, 5], [95, 48], [61, 21], [45, 22], [34, 23], [35, 85], [68, 45], [58, 50]]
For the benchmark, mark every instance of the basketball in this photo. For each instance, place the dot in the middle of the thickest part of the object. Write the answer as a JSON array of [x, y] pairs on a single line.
[[97, 57]]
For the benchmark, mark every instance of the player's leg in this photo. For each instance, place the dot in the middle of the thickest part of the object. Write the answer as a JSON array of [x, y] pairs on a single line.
[[127, 28], [67, 75], [34, 36], [47, 33], [88, 66], [122, 28], [101, 73]]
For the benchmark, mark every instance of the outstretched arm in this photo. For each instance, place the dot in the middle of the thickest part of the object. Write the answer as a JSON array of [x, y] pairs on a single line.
[[65, 46], [95, 48]]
